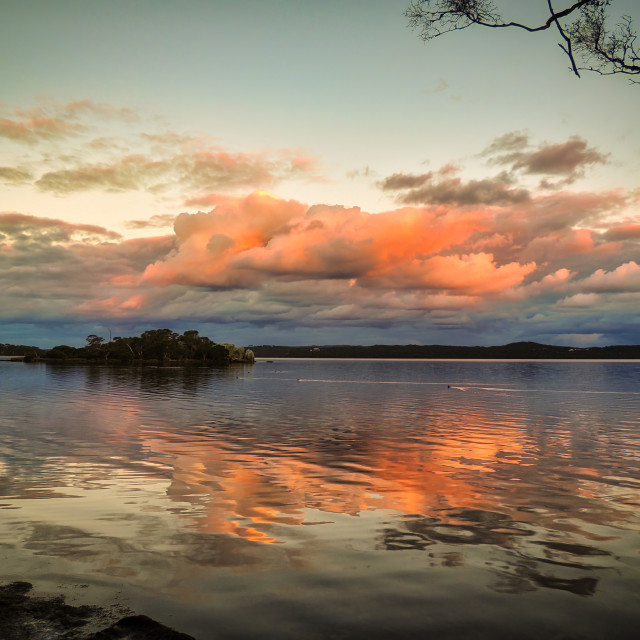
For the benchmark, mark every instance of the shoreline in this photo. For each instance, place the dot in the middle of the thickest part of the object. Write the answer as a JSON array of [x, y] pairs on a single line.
[[28, 615]]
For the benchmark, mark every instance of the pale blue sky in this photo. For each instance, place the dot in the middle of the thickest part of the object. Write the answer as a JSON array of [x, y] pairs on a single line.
[[346, 80]]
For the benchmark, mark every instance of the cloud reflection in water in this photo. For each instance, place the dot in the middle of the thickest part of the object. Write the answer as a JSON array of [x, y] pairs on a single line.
[[160, 477]]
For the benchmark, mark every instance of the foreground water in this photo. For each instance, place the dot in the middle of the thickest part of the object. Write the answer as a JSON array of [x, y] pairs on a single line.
[[332, 499]]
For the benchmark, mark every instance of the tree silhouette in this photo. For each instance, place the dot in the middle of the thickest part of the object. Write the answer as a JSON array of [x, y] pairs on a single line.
[[585, 37]]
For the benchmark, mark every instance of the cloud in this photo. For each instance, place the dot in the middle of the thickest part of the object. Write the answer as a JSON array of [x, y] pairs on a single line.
[[53, 121], [457, 257], [154, 222], [84, 146], [262, 261], [128, 173], [624, 278], [567, 160], [47, 266], [623, 232], [245, 241], [580, 300], [36, 128], [513, 141], [430, 188], [469, 274], [15, 175], [365, 172], [198, 171], [19, 227], [402, 181]]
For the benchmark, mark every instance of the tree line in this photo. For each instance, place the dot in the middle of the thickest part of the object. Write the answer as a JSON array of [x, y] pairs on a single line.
[[514, 350], [153, 346]]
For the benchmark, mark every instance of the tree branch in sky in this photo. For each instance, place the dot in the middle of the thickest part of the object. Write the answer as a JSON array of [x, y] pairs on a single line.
[[585, 38]]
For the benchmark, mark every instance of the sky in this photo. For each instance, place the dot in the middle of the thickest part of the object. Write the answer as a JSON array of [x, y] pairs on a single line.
[[296, 172]]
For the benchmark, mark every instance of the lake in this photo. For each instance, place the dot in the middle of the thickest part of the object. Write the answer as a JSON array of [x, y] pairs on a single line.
[[298, 499]]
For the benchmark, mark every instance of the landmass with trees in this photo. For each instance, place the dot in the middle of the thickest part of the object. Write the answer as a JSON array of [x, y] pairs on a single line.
[[514, 351], [156, 346], [163, 346]]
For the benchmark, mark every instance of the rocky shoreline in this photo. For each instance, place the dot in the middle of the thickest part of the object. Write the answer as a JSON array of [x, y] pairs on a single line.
[[27, 617]]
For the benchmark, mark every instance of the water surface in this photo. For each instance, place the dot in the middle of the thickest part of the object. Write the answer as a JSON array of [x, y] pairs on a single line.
[[332, 498]]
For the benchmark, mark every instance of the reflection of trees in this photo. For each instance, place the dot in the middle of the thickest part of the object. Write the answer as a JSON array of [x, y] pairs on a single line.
[[125, 381]]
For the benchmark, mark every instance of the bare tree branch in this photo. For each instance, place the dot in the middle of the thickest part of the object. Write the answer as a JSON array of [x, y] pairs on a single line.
[[605, 52], [582, 29], [567, 48]]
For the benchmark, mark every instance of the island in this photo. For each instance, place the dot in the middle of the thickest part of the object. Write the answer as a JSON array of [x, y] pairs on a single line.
[[153, 347]]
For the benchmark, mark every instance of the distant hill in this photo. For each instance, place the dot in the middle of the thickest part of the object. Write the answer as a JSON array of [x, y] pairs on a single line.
[[515, 350]]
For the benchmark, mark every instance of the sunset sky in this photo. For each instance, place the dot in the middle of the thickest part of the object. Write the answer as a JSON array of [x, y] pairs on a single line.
[[297, 172]]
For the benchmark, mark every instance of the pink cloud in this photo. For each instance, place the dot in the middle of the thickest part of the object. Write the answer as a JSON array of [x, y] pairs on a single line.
[[625, 278], [472, 274], [53, 121], [623, 232], [245, 242], [460, 253]]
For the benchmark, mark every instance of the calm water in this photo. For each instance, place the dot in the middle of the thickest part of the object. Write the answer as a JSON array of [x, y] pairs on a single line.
[[332, 499]]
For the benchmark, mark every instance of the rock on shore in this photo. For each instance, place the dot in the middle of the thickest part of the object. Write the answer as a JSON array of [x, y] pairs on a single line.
[[26, 617]]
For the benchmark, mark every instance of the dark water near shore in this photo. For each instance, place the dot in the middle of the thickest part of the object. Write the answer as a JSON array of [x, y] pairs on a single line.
[[333, 499]]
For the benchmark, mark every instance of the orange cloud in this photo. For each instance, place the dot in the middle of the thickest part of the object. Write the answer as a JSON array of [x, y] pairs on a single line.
[[624, 232], [261, 261], [475, 274], [245, 241]]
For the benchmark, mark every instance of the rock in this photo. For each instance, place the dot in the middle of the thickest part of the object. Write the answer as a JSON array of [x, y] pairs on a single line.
[[138, 628], [25, 617]]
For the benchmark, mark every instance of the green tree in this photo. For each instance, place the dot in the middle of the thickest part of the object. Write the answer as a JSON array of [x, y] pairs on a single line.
[[218, 354], [96, 347], [56, 354], [191, 341], [160, 344], [122, 349]]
